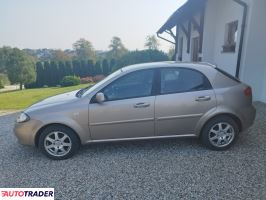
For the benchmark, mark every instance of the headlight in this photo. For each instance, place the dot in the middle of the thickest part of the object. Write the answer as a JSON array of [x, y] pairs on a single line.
[[23, 117]]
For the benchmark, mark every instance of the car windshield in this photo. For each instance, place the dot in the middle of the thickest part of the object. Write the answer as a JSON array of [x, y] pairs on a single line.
[[87, 90]]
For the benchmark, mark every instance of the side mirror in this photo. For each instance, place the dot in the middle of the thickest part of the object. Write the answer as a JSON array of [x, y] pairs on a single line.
[[100, 97]]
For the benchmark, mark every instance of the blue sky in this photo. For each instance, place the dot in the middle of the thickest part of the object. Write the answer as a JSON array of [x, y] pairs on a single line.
[[59, 23]]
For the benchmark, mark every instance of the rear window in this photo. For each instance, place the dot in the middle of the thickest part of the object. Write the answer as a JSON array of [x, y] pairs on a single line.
[[227, 74]]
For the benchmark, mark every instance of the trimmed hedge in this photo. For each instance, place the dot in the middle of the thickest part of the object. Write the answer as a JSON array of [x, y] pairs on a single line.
[[70, 81], [1, 85]]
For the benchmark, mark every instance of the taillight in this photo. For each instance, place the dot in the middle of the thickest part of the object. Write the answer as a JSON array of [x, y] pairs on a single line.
[[248, 91]]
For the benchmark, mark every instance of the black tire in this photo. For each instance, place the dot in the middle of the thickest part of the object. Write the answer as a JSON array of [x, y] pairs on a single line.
[[205, 134], [74, 143]]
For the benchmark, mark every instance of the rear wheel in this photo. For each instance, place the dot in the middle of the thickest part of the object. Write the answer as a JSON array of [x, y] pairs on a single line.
[[220, 133], [58, 142]]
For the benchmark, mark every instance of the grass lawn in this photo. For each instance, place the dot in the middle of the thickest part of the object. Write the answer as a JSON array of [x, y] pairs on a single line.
[[20, 99]]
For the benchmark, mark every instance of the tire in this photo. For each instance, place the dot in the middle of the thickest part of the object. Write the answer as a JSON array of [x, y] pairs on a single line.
[[219, 133], [58, 142]]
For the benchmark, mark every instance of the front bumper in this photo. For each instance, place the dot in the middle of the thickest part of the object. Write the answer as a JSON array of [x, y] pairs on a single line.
[[26, 131]]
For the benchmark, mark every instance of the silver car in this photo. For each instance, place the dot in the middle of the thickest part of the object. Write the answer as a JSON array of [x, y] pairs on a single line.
[[144, 101]]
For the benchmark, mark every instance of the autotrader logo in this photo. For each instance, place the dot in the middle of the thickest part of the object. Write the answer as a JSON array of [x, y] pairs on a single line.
[[27, 193]]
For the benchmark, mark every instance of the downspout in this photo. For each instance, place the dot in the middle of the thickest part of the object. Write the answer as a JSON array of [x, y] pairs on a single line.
[[244, 19]]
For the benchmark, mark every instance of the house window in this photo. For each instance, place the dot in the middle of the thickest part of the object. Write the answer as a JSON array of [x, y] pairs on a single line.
[[231, 32]]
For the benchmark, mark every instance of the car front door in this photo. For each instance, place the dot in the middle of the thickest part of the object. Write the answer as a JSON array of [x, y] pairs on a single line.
[[128, 111], [185, 96]]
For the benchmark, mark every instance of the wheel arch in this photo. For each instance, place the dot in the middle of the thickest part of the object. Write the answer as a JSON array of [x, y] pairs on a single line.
[[231, 115], [37, 136]]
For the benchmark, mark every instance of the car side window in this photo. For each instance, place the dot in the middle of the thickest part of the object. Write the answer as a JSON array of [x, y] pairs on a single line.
[[177, 80], [133, 85]]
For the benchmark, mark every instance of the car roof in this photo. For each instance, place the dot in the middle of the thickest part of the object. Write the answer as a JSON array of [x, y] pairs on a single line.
[[199, 65]]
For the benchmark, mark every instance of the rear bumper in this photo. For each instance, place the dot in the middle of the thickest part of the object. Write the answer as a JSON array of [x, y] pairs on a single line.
[[249, 115]]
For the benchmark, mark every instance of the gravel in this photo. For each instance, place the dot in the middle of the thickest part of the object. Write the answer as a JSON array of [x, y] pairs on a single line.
[[158, 169]]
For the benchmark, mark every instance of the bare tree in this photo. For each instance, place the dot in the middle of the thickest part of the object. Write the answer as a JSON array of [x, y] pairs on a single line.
[[84, 50], [152, 42], [117, 48]]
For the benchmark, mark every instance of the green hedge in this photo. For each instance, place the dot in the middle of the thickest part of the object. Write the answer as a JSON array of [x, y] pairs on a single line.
[[70, 81], [1, 85]]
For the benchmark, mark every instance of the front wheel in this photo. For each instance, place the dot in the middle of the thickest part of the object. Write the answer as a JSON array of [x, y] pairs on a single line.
[[220, 133], [58, 142]]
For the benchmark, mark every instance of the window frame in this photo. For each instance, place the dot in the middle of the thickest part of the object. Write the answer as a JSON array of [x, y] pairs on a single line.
[[153, 89], [230, 46], [183, 68], [228, 75]]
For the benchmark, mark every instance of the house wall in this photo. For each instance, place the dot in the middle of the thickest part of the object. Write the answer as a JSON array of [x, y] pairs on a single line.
[[219, 13], [253, 65]]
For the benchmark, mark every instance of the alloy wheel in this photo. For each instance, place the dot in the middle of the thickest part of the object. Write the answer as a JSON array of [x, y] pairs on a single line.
[[221, 134], [57, 143]]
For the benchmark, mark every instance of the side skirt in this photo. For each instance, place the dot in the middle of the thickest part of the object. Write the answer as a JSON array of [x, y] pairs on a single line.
[[141, 138]]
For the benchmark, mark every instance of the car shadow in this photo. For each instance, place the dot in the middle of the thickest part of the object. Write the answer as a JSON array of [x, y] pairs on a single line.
[[154, 145]]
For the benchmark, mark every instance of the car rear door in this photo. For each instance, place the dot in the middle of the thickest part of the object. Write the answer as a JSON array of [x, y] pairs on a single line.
[[184, 96], [128, 111]]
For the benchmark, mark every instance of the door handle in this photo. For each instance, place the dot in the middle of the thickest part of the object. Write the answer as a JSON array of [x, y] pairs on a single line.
[[203, 98], [141, 105]]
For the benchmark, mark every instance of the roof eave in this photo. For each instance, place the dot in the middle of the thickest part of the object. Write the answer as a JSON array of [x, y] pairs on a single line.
[[189, 7]]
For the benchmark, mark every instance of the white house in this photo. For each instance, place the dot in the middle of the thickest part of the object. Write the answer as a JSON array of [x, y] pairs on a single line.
[[228, 33]]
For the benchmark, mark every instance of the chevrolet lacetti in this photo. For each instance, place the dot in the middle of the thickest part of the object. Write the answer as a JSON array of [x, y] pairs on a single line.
[[144, 101]]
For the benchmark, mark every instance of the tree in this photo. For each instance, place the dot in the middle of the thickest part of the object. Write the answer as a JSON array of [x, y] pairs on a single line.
[[20, 68], [54, 74], [117, 49], [61, 70], [105, 67], [47, 73], [68, 68], [84, 50], [171, 53], [4, 55], [152, 42], [40, 76], [59, 55], [112, 65], [76, 68], [98, 68], [83, 68], [4, 79], [135, 57], [89, 68]]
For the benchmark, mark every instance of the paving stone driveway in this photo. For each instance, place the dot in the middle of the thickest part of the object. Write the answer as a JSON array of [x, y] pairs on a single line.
[[161, 169]]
